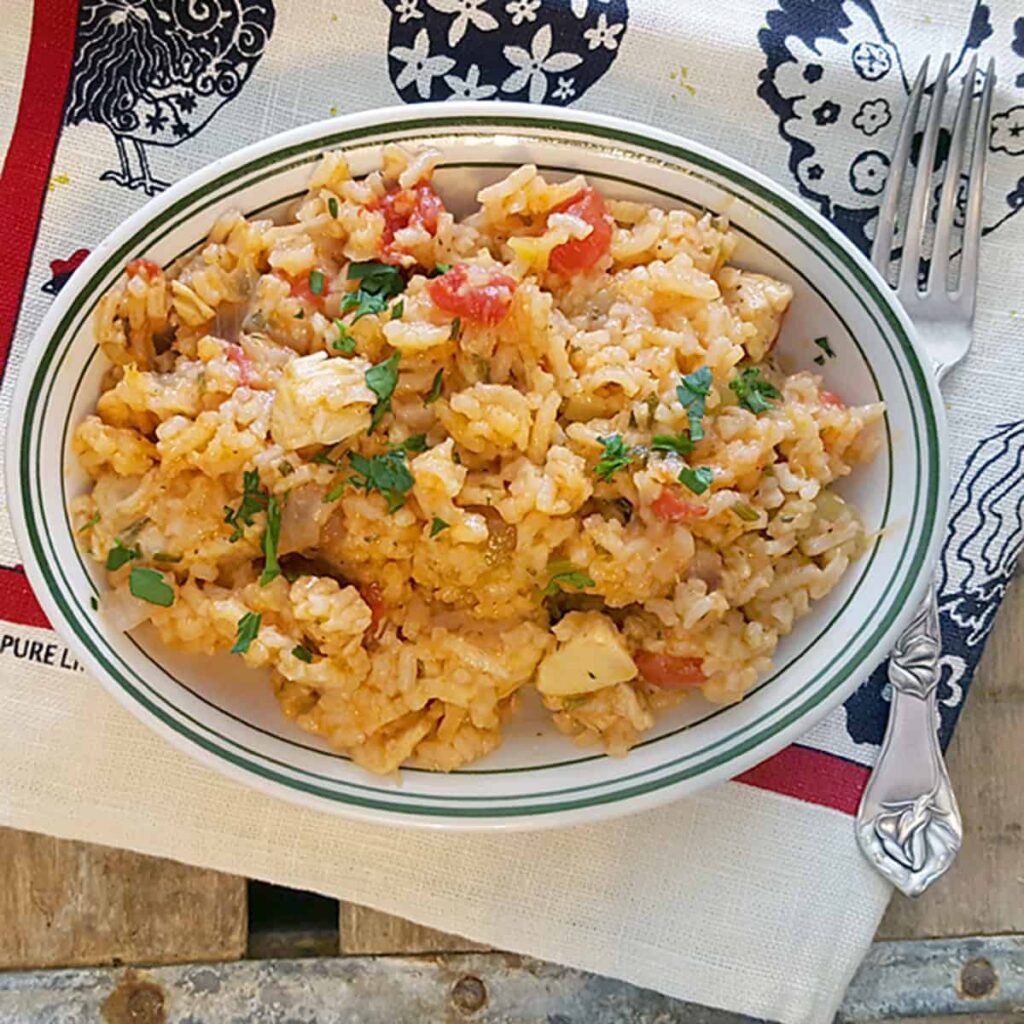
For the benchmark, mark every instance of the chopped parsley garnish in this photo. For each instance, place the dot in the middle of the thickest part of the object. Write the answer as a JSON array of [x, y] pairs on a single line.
[[754, 392], [332, 206], [678, 443], [120, 555], [254, 499], [165, 556], [398, 309], [745, 512], [323, 457], [378, 283], [382, 380], [437, 526], [440, 268], [248, 628], [825, 347], [820, 360], [387, 474], [90, 522], [617, 455], [93, 603], [316, 281], [698, 480], [285, 468], [302, 653], [413, 443], [271, 570], [335, 492], [565, 573], [301, 315], [150, 585], [456, 329], [344, 342], [695, 387], [435, 388]]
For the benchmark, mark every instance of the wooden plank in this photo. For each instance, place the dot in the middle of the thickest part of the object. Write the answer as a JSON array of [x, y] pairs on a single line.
[[984, 890], [66, 903], [369, 932]]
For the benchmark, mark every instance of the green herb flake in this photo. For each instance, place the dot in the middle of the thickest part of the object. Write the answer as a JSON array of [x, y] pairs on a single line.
[[437, 526], [565, 573], [285, 468], [398, 309], [698, 480], [378, 284], [387, 474], [825, 347], [335, 492], [678, 443], [316, 282], [93, 603], [302, 653], [254, 500], [345, 342], [323, 457], [90, 522], [745, 512], [332, 206], [617, 455], [414, 443], [167, 557], [440, 268], [456, 329], [652, 401], [301, 315], [820, 360], [435, 388], [382, 380], [120, 555], [691, 392], [150, 585], [754, 392], [248, 629], [271, 569]]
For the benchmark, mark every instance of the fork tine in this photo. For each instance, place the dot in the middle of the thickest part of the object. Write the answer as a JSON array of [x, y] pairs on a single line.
[[939, 271], [881, 251], [913, 232], [968, 285]]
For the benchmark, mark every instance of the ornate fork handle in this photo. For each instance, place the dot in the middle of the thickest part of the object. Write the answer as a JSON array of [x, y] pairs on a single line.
[[908, 823]]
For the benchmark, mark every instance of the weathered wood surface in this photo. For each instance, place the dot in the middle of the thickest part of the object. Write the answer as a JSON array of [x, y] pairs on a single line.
[[983, 894], [67, 903], [366, 931]]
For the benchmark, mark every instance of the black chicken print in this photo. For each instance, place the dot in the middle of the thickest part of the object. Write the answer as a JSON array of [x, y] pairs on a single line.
[[154, 72], [837, 80], [543, 51]]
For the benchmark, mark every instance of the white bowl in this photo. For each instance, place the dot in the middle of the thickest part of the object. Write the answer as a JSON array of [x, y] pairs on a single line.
[[538, 777]]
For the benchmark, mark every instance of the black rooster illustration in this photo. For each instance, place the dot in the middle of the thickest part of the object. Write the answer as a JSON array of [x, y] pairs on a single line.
[[155, 71]]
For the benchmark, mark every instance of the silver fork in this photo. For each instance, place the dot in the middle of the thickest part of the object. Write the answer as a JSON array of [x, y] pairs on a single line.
[[908, 823]]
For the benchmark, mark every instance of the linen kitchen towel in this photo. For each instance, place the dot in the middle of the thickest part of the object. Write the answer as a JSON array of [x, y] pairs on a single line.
[[751, 896]]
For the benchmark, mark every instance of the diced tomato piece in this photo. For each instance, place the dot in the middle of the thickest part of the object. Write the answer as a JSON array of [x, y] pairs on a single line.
[[669, 672], [670, 507], [830, 398], [371, 594], [144, 268], [245, 369], [582, 253], [473, 293], [404, 207]]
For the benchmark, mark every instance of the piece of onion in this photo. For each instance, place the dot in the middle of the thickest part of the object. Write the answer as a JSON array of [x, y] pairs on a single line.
[[301, 519], [123, 610]]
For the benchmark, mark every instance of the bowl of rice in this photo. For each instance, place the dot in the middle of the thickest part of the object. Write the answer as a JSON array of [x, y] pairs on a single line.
[[477, 465]]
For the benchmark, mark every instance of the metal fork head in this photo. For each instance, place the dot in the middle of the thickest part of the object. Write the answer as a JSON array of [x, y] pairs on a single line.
[[933, 299]]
